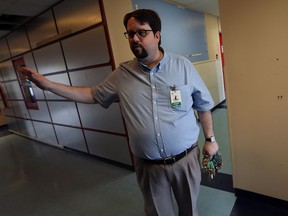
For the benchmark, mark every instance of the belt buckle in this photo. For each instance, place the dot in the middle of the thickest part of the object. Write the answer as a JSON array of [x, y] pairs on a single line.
[[173, 160]]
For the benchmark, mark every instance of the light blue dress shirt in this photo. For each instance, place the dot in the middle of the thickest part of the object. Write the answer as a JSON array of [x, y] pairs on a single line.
[[155, 128]]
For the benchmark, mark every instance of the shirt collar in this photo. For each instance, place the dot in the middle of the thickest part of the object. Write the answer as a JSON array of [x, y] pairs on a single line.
[[158, 66]]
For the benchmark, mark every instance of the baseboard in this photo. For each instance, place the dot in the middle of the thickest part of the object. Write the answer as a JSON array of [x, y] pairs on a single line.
[[262, 198]]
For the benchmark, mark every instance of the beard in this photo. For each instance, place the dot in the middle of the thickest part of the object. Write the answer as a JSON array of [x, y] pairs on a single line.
[[138, 51]]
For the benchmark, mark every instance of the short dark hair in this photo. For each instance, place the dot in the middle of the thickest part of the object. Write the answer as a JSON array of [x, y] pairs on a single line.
[[145, 16]]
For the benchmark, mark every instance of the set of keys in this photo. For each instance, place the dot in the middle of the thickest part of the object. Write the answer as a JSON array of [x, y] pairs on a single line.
[[211, 166]]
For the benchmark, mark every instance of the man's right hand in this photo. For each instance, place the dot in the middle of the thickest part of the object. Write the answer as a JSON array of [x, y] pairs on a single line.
[[35, 77]]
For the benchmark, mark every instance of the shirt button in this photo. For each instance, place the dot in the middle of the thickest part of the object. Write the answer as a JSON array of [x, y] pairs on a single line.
[[156, 118], [161, 150], [158, 134]]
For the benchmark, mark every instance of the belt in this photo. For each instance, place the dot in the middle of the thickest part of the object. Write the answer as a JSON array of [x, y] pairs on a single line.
[[172, 159]]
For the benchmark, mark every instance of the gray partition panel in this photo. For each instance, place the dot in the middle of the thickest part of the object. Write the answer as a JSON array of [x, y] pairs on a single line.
[[29, 60], [108, 146], [41, 29], [7, 70], [45, 132], [9, 111], [64, 113], [88, 48], [89, 77], [13, 124], [49, 59], [74, 15], [71, 137], [18, 42], [14, 90], [42, 114], [62, 78], [96, 117], [20, 109], [39, 94], [26, 127], [5, 53]]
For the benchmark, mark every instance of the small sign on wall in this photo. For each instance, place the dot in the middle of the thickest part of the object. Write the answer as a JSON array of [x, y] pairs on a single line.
[[25, 84]]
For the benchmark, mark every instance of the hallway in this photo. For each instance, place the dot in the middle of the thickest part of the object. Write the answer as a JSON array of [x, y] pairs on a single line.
[[40, 180]]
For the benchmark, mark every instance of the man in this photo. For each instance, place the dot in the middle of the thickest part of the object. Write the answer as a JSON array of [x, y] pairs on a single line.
[[157, 92]]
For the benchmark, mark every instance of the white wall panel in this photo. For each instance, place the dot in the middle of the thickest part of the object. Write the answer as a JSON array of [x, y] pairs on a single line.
[[18, 42], [108, 146], [74, 15], [86, 49], [49, 59], [45, 132], [64, 113], [71, 137]]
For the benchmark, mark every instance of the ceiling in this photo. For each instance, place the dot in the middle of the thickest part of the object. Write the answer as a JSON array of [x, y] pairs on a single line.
[[206, 6], [13, 13]]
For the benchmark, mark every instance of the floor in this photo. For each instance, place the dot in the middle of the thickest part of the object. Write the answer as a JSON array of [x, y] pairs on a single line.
[[40, 180]]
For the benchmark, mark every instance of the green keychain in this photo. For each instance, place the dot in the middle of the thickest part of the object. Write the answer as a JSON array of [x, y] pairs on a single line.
[[211, 166]]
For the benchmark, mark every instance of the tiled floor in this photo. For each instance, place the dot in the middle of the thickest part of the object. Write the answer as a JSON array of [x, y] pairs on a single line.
[[40, 180]]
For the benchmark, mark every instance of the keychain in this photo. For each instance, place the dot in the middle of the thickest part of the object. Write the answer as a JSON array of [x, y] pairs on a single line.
[[211, 166]]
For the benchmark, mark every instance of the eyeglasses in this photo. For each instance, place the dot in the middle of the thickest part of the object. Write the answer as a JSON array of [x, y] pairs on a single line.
[[140, 33]]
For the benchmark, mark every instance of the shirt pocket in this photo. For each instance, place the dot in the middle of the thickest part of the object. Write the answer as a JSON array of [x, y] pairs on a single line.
[[186, 99]]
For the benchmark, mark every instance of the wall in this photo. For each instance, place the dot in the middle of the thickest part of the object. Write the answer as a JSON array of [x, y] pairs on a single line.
[[115, 11], [212, 29], [256, 62], [212, 74], [183, 33], [69, 44]]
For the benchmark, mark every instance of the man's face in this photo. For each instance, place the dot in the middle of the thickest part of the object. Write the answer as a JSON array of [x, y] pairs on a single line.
[[142, 44]]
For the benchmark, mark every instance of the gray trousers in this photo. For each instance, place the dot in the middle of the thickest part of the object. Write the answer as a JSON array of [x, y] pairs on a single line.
[[158, 182]]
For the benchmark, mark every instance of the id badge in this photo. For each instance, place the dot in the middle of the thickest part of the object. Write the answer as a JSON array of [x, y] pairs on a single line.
[[175, 97]]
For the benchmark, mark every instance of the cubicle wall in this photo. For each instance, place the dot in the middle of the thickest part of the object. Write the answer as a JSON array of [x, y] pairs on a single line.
[[68, 43]]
